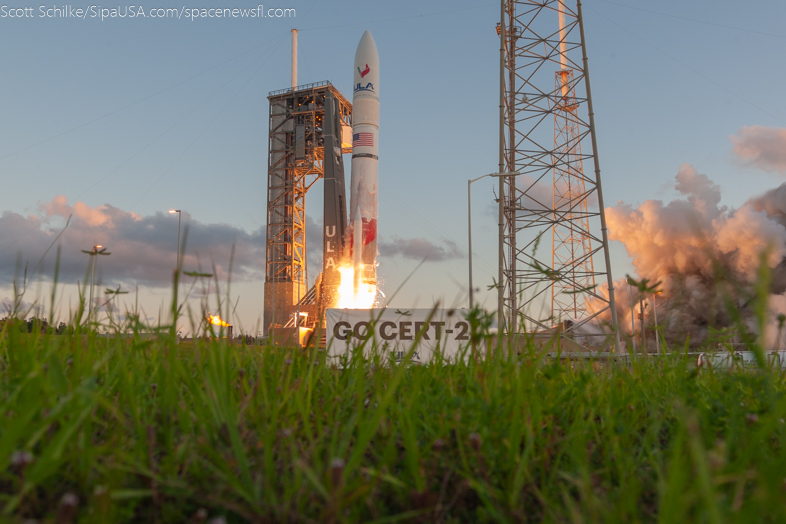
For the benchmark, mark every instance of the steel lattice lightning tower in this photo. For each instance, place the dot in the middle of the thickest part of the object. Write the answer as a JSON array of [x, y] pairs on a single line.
[[549, 138], [571, 240]]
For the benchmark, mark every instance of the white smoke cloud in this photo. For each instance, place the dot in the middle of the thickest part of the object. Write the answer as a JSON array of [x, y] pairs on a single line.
[[761, 147], [745, 236], [698, 250], [671, 237], [143, 247]]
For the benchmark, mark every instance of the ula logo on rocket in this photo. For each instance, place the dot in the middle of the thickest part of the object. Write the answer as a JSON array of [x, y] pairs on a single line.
[[364, 72], [360, 87]]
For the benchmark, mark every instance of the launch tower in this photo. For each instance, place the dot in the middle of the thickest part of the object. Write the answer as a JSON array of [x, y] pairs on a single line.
[[548, 136], [296, 156]]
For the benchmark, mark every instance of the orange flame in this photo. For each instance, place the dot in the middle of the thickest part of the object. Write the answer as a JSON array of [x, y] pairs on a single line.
[[216, 320]]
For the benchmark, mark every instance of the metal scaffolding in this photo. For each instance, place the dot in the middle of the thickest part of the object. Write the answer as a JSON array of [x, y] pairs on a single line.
[[295, 163], [549, 136]]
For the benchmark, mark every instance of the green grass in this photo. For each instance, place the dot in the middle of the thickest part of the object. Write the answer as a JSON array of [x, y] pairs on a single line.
[[149, 431]]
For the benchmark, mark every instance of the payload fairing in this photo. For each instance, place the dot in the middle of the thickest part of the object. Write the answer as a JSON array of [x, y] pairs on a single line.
[[365, 159]]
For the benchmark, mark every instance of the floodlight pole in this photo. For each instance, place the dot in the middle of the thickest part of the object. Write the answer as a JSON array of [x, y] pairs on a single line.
[[93, 252], [469, 229], [179, 216]]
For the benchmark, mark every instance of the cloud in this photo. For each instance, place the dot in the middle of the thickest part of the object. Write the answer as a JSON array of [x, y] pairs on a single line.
[[420, 248], [413, 248], [143, 247], [761, 147]]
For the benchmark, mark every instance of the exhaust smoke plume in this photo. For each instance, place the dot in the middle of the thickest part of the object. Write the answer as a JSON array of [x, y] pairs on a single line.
[[702, 253]]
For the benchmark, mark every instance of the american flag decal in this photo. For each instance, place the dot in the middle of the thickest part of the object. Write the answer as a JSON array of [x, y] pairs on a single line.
[[363, 140]]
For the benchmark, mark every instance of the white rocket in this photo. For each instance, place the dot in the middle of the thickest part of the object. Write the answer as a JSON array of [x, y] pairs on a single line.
[[365, 147]]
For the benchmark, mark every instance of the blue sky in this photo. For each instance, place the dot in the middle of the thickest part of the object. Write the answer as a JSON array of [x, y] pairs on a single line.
[[145, 115]]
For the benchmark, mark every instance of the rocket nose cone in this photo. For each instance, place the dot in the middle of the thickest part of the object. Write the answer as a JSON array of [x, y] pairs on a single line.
[[366, 75], [367, 46]]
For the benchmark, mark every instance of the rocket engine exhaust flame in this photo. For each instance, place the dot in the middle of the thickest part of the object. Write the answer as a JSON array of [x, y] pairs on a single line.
[[704, 254], [352, 295]]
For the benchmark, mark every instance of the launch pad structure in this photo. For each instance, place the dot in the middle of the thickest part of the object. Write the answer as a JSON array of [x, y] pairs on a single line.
[[547, 135], [296, 161]]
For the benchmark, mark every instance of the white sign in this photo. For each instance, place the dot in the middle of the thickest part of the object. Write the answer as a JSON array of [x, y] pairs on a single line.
[[393, 332]]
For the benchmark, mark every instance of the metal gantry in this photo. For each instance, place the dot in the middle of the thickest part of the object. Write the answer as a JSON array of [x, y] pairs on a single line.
[[295, 163], [549, 139]]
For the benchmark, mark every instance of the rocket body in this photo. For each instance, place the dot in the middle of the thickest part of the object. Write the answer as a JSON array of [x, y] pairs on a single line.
[[365, 160]]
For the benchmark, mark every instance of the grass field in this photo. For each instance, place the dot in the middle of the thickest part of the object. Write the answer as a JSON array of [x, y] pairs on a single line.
[[131, 430]]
